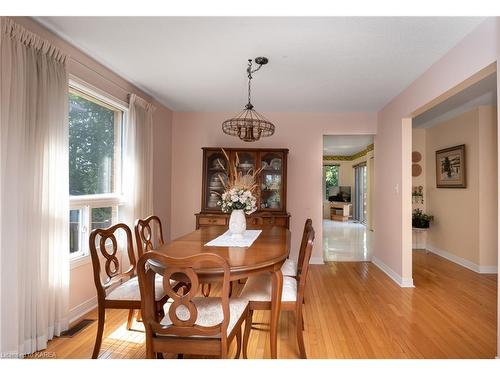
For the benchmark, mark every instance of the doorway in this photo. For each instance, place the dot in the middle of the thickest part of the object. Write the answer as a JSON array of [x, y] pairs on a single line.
[[348, 166]]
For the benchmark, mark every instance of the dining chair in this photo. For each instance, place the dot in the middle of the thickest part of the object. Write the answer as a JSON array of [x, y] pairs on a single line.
[[292, 267], [146, 241], [120, 288], [145, 230], [258, 289], [191, 325]]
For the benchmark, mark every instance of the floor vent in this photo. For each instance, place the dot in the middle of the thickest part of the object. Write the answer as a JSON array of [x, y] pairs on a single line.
[[77, 328]]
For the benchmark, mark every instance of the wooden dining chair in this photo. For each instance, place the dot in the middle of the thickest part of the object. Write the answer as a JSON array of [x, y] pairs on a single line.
[[147, 241], [191, 325], [291, 267], [148, 234], [120, 288], [258, 291]]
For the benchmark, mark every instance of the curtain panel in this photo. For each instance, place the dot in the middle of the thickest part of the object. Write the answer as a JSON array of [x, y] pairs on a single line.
[[138, 160], [34, 190]]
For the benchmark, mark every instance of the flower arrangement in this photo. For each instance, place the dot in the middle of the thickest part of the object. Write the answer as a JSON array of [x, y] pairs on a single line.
[[239, 189], [420, 219]]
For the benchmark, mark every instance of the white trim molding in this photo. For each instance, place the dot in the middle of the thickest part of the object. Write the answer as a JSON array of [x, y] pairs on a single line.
[[402, 282], [78, 311], [316, 260], [461, 261]]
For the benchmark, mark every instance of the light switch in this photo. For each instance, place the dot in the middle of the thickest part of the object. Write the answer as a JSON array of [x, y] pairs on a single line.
[[396, 188]]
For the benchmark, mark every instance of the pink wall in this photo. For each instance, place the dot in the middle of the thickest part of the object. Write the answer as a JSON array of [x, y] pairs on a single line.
[[301, 133], [80, 65], [393, 242]]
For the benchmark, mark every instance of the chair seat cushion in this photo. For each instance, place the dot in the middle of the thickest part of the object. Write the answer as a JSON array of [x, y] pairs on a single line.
[[129, 290], [289, 268], [259, 288], [210, 311]]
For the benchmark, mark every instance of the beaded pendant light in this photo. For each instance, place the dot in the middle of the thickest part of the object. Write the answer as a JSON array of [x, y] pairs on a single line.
[[249, 125]]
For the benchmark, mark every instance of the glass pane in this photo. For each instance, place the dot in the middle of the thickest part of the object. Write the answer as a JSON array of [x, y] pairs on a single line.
[[271, 178], [216, 174], [246, 162], [74, 230], [101, 217], [91, 147]]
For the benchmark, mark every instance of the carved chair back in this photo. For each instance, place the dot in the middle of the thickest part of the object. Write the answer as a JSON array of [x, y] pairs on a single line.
[[302, 275], [145, 230], [182, 311], [300, 261], [103, 245]]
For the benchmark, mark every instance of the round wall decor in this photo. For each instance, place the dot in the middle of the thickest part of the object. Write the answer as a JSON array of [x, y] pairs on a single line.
[[416, 156], [416, 170]]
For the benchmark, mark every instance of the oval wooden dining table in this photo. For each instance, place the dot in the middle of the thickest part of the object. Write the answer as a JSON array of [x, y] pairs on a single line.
[[266, 254]]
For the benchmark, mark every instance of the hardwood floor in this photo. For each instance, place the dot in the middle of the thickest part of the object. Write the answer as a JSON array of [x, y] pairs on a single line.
[[353, 310]]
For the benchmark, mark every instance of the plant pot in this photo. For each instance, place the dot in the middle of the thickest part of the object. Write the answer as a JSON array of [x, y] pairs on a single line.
[[422, 224], [237, 223]]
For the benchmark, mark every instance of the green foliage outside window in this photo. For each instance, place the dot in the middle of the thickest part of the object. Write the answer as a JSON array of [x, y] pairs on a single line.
[[91, 147], [331, 177]]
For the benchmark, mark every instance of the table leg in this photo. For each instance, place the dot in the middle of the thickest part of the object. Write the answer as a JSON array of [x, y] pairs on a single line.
[[277, 289]]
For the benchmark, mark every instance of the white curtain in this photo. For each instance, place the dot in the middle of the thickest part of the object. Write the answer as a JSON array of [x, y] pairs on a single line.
[[34, 216], [138, 160]]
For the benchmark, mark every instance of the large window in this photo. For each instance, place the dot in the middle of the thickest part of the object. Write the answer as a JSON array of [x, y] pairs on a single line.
[[331, 177], [95, 160]]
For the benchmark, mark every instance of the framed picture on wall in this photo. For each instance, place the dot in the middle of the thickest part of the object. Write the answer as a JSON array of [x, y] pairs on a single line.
[[450, 167]]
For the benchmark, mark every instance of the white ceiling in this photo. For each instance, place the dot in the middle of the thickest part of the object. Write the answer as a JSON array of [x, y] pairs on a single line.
[[483, 92], [321, 64], [345, 145]]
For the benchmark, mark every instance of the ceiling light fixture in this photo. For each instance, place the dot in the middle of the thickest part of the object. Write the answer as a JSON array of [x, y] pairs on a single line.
[[249, 125]]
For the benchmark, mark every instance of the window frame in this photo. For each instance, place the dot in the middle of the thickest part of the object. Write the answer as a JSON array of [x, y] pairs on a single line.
[[115, 199]]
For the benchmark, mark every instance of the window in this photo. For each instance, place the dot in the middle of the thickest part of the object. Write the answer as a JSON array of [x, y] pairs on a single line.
[[331, 177], [95, 163]]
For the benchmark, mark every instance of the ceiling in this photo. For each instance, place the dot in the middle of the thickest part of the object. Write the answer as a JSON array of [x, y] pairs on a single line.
[[483, 92], [345, 145], [316, 64]]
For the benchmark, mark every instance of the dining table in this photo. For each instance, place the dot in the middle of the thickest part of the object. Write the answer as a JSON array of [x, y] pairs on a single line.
[[266, 254]]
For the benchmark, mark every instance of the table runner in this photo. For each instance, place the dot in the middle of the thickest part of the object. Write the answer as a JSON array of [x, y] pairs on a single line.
[[226, 239]]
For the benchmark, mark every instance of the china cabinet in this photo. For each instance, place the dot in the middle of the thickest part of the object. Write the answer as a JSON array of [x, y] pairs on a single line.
[[270, 192]]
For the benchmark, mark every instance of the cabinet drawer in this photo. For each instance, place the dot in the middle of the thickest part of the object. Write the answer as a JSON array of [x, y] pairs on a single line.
[[275, 221], [267, 221], [212, 221]]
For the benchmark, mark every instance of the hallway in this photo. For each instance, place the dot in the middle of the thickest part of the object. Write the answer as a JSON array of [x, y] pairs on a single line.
[[346, 242]]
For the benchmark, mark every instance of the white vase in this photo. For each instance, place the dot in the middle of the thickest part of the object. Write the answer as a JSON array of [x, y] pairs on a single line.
[[237, 223]]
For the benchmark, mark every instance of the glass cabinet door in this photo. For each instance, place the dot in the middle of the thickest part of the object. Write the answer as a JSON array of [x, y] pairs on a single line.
[[271, 181], [247, 161], [216, 163]]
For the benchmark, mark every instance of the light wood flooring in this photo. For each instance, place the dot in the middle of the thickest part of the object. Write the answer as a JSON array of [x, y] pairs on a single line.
[[353, 310]]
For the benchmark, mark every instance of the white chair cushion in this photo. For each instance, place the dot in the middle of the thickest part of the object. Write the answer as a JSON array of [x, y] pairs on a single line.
[[129, 290], [210, 311], [289, 268], [259, 288]]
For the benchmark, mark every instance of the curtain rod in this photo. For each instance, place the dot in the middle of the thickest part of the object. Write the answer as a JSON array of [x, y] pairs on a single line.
[[107, 79]]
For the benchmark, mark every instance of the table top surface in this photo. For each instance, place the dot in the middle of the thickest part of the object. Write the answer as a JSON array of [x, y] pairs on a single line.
[[271, 247]]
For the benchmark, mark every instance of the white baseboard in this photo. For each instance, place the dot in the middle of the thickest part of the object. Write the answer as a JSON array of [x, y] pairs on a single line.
[[316, 260], [402, 282], [77, 312], [461, 261]]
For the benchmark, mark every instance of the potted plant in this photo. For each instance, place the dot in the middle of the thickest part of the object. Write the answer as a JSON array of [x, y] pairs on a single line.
[[420, 219], [238, 197]]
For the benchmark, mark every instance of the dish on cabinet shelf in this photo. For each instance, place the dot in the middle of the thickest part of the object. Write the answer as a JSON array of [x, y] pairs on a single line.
[[275, 164]]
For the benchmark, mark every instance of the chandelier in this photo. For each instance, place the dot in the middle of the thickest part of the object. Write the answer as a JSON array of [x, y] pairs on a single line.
[[249, 125]]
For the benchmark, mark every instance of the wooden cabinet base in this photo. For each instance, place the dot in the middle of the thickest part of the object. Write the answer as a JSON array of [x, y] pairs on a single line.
[[257, 220]]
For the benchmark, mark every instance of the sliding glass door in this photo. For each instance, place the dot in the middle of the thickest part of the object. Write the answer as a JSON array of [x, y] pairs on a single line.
[[360, 192]]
